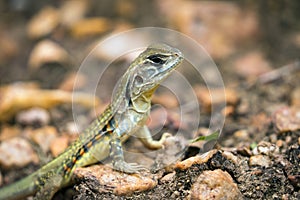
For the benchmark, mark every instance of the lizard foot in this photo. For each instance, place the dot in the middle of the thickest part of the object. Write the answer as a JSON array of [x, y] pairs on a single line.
[[129, 168]]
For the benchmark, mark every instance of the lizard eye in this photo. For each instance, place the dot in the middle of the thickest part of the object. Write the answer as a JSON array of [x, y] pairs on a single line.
[[156, 59]]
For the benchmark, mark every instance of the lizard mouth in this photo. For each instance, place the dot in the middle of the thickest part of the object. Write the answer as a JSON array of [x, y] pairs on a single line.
[[173, 65]]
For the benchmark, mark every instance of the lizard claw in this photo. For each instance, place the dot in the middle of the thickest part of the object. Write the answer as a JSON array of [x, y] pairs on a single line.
[[129, 168]]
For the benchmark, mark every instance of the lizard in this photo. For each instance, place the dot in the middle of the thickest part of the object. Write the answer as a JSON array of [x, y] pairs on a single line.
[[125, 116]]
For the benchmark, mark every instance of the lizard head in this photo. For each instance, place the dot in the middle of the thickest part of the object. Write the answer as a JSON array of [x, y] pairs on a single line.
[[150, 68]]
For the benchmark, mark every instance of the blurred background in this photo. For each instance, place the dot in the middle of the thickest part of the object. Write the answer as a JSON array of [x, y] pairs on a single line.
[[253, 37]]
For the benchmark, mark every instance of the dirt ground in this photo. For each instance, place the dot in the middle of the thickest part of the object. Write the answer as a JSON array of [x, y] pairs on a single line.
[[256, 47]]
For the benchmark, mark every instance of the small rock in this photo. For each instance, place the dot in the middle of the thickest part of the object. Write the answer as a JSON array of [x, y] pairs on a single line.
[[72, 11], [243, 107], [90, 27], [244, 150], [295, 180], [228, 110], [228, 155], [58, 145], [215, 184], [47, 51], [273, 138], [288, 139], [279, 143], [16, 152], [169, 177], [287, 119], [44, 137], [260, 160], [265, 148], [199, 159], [33, 116], [114, 181], [43, 23], [241, 134], [8, 132]]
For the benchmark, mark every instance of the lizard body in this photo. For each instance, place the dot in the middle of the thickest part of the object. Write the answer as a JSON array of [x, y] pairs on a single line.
[[125, 116]]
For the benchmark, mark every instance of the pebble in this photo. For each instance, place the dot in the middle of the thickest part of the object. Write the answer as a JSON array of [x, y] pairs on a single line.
[[244, 150], [43, 23], [228, 110], [199, 159], [215, 184], [279, 143], [73, 10], [33, 116], [44, 137], [90, 27], [8, 132], [117, 182], [287, 119], [260, 160], [228, 155], [47, 51], [168, 178], [16, 152], [273, 138], [265, 148], [241, 135]]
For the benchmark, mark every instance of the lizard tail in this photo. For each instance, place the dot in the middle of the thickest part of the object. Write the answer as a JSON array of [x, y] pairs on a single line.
[[20, 189]]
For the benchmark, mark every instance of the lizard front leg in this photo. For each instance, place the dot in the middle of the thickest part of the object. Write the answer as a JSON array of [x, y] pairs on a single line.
[[145, 137], [118, 162]]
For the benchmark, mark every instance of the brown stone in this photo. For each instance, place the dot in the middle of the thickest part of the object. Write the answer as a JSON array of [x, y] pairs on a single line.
[[183, 165], [16, 152], [215, 184], [114, 181]]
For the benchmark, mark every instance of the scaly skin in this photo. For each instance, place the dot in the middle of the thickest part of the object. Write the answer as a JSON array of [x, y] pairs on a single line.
[[125, 116]]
